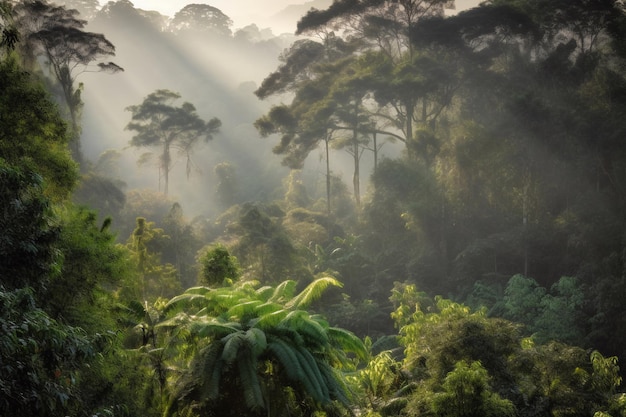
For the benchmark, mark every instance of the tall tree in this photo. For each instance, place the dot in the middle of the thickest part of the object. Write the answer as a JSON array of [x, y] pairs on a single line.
[[57, 34], [201, 18], [158, 123]]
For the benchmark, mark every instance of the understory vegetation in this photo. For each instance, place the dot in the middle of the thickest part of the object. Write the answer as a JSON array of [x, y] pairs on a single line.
[[481, 271]]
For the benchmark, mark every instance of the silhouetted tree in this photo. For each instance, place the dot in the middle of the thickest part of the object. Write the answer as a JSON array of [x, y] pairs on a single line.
[[201, 18], [57, 34], [159, 124]]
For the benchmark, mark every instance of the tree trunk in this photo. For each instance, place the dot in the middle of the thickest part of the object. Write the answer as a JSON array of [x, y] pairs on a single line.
[[356, 180], [410, 108], [326, 140], [165, 162]]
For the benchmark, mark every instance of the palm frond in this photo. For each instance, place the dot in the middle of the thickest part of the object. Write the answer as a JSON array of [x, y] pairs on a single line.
[[312, 292]]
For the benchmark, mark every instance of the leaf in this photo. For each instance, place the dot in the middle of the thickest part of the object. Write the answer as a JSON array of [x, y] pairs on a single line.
[[312, 292]]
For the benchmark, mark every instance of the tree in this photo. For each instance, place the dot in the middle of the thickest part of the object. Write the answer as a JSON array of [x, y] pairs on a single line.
[[40, 358], [87, 8], [159, 124], [57, 34], [33, 135], [218, 267], [227, 188], [201, 18], [156, 279], [9, 35], [28, 255], [259, 352]]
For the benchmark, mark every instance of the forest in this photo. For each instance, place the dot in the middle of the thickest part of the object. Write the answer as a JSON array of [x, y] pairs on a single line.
[[397, 210]]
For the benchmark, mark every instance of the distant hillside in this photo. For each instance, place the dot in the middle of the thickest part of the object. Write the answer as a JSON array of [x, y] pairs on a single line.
[[289, 16]]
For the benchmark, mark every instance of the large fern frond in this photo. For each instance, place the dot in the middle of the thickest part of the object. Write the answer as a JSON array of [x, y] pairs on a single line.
[[270, 319], [232, 345], [213, 328], [313, 331], [284, 354], [285, 290], [256, 341], [185, 299], [250, 382], [312, 292], [313, 380], [347, 341], [243, 309]]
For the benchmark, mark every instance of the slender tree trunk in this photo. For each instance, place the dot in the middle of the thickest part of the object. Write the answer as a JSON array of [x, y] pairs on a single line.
[[166, 160], [375, 151], [410, 108], [356, 180], [326, 140]]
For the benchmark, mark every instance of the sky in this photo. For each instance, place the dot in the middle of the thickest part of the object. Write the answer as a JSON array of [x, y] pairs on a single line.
[[243, 12]]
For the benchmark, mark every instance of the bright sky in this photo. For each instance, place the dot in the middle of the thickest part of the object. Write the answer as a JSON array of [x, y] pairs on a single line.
[[242, 12]]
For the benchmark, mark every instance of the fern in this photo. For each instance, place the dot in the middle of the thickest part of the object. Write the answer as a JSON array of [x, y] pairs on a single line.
[[271, 319], [319, 391], [209, 327], [242, 309], [337, 388], [232, 346], [286, 356], [284, 290], [187, 298], [256, 341], [250, 383], [312, 292], [347, 342]]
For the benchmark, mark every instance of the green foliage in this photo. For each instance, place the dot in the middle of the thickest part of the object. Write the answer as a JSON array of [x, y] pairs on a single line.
[[466, 392], [30, 231], [32, 133], [260, 343], [39, 358], [554, 315], [156, 279], [91, 265], [218, 266], [159, 124]]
